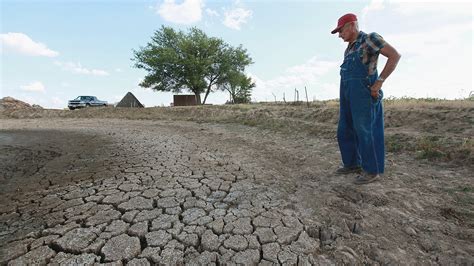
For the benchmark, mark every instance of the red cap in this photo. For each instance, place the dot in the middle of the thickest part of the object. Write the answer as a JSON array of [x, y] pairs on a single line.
[[343, 20]]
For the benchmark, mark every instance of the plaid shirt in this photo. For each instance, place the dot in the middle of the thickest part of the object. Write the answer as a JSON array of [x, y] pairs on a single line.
[[369, 49]]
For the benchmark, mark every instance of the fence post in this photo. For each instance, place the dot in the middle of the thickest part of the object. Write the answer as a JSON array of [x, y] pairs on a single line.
[[307, 102]]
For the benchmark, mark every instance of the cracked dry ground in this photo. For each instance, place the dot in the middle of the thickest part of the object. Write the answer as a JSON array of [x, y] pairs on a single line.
[[156, 192]]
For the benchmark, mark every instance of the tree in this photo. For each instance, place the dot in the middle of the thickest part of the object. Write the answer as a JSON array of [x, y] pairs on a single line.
[[239, 87], [175, 61]]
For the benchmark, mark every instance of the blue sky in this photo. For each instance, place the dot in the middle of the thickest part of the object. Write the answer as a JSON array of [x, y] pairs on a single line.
[[52, 51]]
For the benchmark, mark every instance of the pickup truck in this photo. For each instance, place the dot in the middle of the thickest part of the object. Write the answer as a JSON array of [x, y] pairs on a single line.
[[85, 101]]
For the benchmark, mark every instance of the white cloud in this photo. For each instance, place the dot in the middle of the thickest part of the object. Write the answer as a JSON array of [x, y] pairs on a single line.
[[188, 12], [211, 12], [235, 17], [21, 43], [303, 74], [57, 101], [45, 102], [430, 36], [35, 86], [422, 73], [374, 5], [79, 69], [118, 70], [117, 98], [425, 7], [308, 74], [426, 43]]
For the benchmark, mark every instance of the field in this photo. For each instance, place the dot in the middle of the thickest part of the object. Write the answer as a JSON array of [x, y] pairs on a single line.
[[233, 184]]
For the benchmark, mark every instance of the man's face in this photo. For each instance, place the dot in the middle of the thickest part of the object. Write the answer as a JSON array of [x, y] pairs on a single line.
[[346, 32]]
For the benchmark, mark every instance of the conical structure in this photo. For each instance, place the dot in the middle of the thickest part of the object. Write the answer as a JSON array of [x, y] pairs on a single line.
[[129, 100]]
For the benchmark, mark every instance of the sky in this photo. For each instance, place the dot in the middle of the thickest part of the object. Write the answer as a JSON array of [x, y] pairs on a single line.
[[55, 50]]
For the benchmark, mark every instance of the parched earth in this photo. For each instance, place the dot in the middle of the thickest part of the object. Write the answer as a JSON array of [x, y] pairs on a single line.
[[92, 191]]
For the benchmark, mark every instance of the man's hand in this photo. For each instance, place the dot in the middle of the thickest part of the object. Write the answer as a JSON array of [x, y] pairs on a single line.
[[392, 60], [374, 90]]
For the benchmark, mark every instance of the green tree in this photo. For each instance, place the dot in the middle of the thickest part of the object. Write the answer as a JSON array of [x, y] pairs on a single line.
[[176, 60], [239, 87]]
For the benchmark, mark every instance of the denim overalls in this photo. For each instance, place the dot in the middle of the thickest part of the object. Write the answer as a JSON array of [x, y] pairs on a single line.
[[360, 129]]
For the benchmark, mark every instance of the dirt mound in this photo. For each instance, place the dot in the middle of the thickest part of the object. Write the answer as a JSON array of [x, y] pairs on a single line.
[[434, 130], [12, 103]]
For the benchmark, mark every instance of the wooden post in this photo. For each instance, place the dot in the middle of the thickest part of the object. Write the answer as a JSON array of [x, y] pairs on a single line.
[[307, 102], [284, 100]]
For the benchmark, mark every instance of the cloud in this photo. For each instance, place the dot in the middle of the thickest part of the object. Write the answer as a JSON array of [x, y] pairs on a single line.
[[374, 5], [21, 43], [432, 41], [211, 12], [35, 86], [45, 102], [117, 98], [58, 102], [235, 17], [420, 71], [427, 7], [79, 69], [188, 12], [307, 74], [426, 44], [303, 74]]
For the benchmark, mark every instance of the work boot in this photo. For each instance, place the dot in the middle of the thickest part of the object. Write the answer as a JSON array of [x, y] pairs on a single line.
[[366, 178], [348, 170]]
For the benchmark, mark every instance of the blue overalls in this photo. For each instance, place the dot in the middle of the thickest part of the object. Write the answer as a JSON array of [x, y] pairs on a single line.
[[360, 129]]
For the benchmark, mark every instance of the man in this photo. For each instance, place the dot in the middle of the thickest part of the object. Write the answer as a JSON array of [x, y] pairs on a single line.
[[360, 131]]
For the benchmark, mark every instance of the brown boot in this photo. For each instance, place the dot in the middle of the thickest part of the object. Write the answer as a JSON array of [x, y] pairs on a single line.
[[366, 178], [348, 170]]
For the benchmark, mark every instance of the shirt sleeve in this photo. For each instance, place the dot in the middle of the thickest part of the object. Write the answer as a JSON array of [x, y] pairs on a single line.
[[375, 42]]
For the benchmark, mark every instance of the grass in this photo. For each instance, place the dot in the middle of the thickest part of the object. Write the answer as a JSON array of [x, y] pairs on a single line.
[[398, 142], [433, 147], [445, 149], [430, 147], [431, 129], [408, 102]]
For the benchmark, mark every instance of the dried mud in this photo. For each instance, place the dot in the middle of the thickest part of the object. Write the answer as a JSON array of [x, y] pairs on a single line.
[[173, 192]]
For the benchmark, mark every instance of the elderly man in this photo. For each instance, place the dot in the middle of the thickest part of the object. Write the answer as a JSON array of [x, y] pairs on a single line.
[[360, 131]]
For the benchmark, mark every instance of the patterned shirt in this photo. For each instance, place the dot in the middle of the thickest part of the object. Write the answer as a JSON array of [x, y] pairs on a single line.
[[370, 45]]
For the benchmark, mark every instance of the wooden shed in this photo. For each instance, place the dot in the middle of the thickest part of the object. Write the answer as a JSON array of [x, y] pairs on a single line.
[[186, 100]]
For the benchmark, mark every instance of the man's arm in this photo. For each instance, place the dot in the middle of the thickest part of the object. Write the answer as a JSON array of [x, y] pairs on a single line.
[[392, 61]]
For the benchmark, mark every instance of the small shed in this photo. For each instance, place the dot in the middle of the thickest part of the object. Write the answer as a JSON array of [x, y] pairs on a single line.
[[186, 100], [129, 100]]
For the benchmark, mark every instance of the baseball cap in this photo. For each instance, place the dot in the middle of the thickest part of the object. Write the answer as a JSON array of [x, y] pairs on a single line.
[[349, 17]]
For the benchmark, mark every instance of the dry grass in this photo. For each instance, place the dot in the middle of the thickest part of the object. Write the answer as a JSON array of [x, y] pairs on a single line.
[[431, 129], [406, 102]]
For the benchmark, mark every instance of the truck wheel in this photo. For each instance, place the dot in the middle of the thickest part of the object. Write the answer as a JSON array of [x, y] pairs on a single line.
[[88, 105], [71, 108]]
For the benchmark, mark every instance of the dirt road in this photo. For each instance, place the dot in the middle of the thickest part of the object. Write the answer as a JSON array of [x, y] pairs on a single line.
[[148, 192]]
